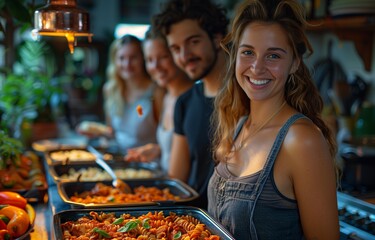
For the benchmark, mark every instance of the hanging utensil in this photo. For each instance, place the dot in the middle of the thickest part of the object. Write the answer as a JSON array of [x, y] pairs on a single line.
[[117, 183]]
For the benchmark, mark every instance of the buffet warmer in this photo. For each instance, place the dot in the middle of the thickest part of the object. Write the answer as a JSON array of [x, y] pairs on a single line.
[[74, 214], [184, 192]]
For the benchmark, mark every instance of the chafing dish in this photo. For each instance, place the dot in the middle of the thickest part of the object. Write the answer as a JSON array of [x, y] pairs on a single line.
[[176, 187], [91, 171], [72, 215]]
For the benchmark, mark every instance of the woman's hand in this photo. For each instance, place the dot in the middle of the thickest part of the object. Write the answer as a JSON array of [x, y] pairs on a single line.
[[145, 153]]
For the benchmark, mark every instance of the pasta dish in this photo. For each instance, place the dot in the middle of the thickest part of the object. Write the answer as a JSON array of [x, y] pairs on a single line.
[[147, 226], [102, 194]]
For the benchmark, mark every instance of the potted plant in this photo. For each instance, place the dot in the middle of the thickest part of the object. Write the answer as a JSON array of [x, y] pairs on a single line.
[[27, 93]]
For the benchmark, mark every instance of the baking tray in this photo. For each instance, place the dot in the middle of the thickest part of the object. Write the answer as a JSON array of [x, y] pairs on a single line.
[[59, 143], [213, 226], [176, 187], [86, 156], [57, 170]]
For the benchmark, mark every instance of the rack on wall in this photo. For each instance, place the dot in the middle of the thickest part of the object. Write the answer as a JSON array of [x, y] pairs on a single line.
[[359, 29]]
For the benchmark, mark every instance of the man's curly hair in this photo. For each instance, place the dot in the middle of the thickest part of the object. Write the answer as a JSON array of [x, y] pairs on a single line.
[[211, 17]]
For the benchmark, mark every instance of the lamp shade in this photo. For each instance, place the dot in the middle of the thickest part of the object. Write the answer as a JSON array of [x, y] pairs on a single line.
[[62, 18]]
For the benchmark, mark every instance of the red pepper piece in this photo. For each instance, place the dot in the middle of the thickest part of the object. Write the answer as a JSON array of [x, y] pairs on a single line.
[[12, 198], [3, 225]]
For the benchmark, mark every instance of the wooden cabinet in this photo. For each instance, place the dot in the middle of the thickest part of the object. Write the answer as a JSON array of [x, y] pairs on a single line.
[[359, 29]]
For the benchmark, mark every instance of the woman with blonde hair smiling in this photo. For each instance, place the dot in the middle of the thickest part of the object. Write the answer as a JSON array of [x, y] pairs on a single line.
[[128, 89]]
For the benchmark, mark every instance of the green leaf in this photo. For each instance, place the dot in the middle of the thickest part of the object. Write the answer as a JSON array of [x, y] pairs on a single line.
[[177, 235], [102, 232], [118, 221], [111, 198], [129, 226], [145, 223], [18, 10]]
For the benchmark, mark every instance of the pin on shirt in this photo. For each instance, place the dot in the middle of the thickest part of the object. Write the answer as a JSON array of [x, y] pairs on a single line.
[[139, 110]]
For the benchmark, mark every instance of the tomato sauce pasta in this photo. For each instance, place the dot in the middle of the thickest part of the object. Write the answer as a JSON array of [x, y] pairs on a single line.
[[153, 225], [102, 194]]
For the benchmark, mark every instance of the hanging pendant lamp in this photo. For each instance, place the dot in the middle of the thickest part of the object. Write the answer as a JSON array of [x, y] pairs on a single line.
[[62, 18]]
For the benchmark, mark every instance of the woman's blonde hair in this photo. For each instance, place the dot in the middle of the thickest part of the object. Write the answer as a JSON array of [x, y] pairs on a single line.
[[115, 88], [300, 90]]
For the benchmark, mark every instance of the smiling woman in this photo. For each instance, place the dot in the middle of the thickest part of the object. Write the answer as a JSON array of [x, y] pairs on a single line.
[[270, 141]]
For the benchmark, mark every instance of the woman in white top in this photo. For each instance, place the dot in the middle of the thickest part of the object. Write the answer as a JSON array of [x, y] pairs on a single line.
[[128, 88], [161, 67]]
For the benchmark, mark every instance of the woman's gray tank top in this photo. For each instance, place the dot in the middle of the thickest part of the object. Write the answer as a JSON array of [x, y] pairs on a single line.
[[251, 207]]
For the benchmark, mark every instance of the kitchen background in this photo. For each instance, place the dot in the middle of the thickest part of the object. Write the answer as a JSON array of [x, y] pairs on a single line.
[[329, 44]]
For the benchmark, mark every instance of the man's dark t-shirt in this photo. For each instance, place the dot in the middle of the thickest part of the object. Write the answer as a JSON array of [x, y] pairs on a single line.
[[192, 119]]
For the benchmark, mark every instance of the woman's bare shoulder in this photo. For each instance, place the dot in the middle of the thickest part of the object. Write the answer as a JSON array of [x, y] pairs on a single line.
[[304, 137]]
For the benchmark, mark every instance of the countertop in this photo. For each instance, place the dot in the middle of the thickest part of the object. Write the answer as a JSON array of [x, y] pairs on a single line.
[[43, 222], [43, 225]]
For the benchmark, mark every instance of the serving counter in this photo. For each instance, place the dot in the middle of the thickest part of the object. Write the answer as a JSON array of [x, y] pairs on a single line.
[[58, 208]]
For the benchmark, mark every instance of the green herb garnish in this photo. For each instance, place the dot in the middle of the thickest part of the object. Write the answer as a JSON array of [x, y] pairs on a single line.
[[129, 226], [177, 235], [111, 198], [118, 221], [146, 224], [102, 232]]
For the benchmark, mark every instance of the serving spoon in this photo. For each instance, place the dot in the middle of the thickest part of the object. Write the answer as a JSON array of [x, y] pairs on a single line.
[[116, 182]]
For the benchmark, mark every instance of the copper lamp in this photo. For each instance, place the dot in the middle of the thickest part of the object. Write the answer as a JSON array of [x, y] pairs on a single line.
[[62, 18]]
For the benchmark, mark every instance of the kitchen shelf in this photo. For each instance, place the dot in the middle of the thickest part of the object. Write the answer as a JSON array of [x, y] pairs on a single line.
[[359, 29]]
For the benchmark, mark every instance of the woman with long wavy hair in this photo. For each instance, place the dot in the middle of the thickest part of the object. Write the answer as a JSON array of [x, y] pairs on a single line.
[[275, 177]]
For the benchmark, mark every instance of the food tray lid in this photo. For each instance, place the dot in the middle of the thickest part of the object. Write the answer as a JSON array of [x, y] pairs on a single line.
[[212, 225], [176, 187]]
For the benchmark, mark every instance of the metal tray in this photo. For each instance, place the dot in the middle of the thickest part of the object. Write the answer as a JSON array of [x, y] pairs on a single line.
[[50, 160], [57, 170], [176, 187], [59, 143], [213, 226]]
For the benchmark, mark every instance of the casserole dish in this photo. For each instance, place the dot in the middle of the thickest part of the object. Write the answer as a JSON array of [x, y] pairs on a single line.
[[68, 156], [210, 224], [184, 192]]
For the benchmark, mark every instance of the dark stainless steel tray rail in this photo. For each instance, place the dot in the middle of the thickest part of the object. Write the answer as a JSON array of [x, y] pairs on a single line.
[[56, 170], [176, 187], [212, 225]]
